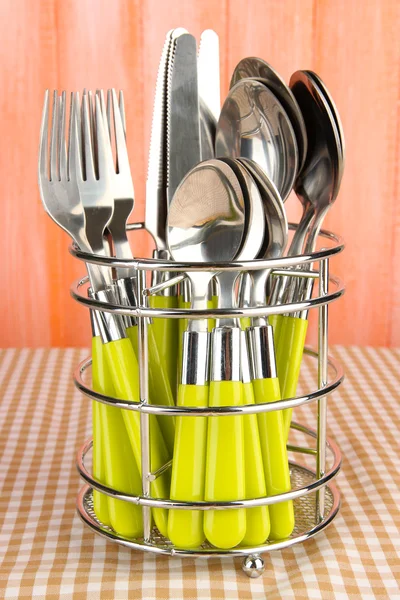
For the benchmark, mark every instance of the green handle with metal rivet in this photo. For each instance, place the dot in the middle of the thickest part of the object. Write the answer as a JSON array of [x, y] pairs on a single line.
[[225, 474], [275, 458], [166, 335], [121, 472], [159, 386], [185, 527], [289, 354], [257, 519], [99, 379], [124, 370]]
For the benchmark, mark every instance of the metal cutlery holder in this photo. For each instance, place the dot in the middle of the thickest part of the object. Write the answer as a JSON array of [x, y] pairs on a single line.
[[316, 498]]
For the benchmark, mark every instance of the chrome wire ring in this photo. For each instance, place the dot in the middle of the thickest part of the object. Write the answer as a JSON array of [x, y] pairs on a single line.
[[215, 313], [166, 548], [181, 411], [214, 505], [151, 264]]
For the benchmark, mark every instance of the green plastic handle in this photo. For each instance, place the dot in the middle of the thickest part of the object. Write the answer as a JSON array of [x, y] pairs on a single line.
[[100, 501], [289, 354], [185, 527], [257, 519], [225, 477], [245, 323], [166, 335], [124, 372], [120, 467], [276, 321], [159, 386], [275, 458]]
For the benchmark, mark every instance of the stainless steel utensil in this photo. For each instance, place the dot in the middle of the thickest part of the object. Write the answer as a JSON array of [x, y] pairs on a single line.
[[226, 373], [324, 90], [59, 192], [318, 184], [254, 125], [61, 198], [156, 184], [183, 117], [209, 91], [122, 185], [256, 68], [205, 223], [263, 366], [94, 192], [317, 188], [277, 232]]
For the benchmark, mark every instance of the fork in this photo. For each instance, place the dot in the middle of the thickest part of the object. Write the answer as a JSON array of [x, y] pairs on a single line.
[[120, 357], [122, 192], [59, 192], [122, 185], [60, 197]]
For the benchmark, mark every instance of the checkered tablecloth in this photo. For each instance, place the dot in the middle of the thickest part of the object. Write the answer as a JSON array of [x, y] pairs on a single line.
[[47, 552]]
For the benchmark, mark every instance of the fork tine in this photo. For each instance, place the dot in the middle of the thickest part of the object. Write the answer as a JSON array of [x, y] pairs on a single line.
[[109, 109], [62, 150], [104, 153], [93, 129], [100, 93], [43, 140], [53, 139], [87, 141], [120, 142], [122, 109], [74, 148]]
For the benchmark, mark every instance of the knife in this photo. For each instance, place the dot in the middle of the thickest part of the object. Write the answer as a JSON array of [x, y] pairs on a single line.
[[209, 91], [183, 118], [165, 330], [156, 197]]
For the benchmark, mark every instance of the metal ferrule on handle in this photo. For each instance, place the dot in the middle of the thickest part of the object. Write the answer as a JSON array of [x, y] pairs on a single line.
[[309, 290], [126, 291], [225, 352], [111, 327], [184, 290], [93, 317], [261, 341], [195, 357]]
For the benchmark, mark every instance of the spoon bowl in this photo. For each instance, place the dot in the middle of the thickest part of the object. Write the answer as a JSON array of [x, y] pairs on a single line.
[[258, 69], [318, 184], [254, 125]]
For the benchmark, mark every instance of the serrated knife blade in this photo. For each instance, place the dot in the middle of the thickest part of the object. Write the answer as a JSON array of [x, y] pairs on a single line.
[[183, 119], [156, 185]]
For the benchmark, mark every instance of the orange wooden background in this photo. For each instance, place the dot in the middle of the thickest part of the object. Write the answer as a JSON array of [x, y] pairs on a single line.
[[70, 44]]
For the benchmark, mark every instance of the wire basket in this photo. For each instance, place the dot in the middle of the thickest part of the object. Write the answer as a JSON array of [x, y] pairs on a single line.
[[316, 498]]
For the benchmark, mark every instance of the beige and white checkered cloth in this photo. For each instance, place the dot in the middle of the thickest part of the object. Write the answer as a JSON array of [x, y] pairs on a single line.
[[46, 551]]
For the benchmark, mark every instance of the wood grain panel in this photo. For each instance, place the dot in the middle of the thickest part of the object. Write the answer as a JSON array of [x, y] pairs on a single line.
[[28, 54], [355, 48], [356, 52]]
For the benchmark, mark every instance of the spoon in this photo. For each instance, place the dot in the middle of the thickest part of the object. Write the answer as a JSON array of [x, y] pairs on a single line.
[[234, 440], [258, 69], [325, 92], [253, 124], [307, 84], [317, 187], [263, 368], [206, 223]]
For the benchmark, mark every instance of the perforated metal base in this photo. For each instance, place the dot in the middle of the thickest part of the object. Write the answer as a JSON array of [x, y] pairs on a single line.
[[306, 523]]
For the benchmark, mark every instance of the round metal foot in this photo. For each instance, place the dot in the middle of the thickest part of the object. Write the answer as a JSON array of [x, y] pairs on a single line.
[[253, 565]]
